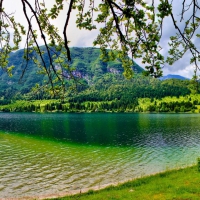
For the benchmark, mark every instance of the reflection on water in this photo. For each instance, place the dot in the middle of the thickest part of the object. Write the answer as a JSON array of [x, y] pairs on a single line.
[[43, 154]]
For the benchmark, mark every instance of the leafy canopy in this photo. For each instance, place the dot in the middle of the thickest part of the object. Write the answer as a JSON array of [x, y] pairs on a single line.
[[127, 27]]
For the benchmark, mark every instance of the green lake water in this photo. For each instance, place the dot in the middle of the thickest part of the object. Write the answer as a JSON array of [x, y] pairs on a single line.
[[45, 154]]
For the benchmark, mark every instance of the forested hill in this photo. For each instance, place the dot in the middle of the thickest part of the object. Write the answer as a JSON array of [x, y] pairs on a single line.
[[115, 87], [101, 81], [85, 61]]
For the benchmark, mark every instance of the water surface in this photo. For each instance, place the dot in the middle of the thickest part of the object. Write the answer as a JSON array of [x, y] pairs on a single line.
[[44, 154]]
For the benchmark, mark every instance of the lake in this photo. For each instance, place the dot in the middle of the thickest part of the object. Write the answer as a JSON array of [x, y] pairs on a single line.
[[50, 154]]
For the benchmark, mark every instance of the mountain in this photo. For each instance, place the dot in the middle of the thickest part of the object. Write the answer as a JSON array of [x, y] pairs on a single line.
[[173, 76], [85, 61], [100, 81]]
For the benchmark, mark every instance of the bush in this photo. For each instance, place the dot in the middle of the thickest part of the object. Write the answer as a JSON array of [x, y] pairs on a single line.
[[176, 109], [198, 164]]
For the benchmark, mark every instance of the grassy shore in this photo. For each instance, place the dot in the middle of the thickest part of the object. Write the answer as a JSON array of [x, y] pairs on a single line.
[[182, 184]]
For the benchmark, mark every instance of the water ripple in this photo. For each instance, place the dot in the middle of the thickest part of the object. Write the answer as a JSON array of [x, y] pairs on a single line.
[[32, 166]]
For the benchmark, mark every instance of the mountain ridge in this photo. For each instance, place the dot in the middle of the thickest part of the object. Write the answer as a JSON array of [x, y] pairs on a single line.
[[173, 76]]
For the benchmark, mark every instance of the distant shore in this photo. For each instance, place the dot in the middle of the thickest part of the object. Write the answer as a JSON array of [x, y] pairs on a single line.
[[182, 104]]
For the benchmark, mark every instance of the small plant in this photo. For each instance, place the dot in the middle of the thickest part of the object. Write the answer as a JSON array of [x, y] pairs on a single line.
[[198, 164], [90, 192]]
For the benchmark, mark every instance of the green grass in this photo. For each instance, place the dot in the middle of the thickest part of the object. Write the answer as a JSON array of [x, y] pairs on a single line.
[[182, 184]]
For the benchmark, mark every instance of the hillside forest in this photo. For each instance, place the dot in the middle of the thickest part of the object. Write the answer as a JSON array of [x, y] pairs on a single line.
[[100, 87]]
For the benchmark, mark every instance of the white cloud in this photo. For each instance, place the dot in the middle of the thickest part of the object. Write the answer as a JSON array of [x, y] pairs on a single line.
[[186, 71], [76, 36]]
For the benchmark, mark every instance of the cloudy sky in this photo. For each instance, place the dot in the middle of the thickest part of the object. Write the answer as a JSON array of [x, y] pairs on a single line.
[[82, 38]]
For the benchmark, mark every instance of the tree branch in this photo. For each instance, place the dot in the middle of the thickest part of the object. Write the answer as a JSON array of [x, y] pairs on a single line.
[[65, 29], [122, 38]]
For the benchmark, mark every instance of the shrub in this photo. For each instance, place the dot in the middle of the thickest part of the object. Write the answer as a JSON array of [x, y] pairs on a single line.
[[198, 164]]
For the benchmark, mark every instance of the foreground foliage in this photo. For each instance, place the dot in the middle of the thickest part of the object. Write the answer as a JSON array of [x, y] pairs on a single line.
[[175, 184], [128, 27]]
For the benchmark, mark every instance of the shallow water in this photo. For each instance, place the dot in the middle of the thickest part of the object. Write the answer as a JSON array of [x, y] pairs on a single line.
[[44, 154]]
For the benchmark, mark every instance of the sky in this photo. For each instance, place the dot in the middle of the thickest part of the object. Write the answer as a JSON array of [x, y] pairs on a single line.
[[83, 38]]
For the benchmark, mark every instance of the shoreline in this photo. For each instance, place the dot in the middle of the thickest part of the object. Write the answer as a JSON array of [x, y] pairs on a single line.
[[98, 112], [97, 188]]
